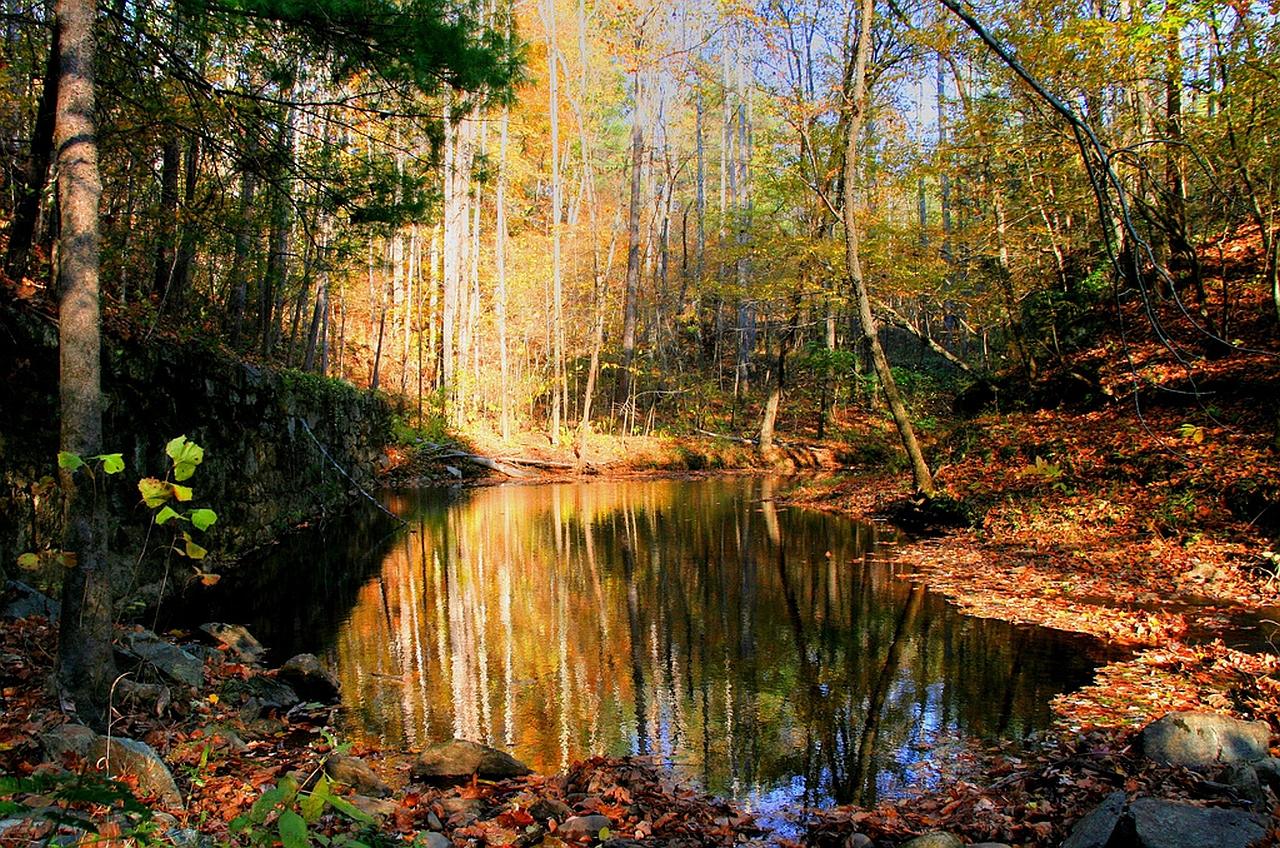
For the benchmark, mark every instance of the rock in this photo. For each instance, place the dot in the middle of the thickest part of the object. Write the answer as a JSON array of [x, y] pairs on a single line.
[[153, 695], [988, 845], [582, 828], [259, 694], [461, 811], [311, 680], [1169, 824], [355, 772], [239, 642], [376, 807], [935, 839], [129, 756], [856, 840], [18, 600], [1199, 740], [1095, 829], [431, 839], [1244, 781], [458, 759], [1268, 771], [265, 728], [168, 659], [225, 741], [545, 809], [68, 739]]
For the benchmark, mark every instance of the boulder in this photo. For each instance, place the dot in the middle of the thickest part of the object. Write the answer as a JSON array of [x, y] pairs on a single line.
[[258, 694], [1095, 829], [143, 646], [18, 600], [1199, 740], [1244, 782], [239, 642], [1268, 771], [355, 772], [311, 680], [128, 756], [1170, 824], [458, 759], [934, 839], [68, 740]]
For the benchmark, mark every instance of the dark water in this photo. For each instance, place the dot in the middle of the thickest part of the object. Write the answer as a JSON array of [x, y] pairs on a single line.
[[769, 654]]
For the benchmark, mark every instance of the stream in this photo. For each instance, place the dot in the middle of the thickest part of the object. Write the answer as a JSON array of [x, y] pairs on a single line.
[[768, 654]]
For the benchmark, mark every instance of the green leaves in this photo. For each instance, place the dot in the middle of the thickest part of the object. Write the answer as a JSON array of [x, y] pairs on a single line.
[[185, 455], [157, 494], [112, 463]]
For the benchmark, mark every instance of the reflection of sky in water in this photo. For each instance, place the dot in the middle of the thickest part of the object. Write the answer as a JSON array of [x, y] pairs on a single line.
[[766, 653]]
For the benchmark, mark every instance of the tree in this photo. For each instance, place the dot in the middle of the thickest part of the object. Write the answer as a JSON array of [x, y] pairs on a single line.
[[856, 106], [85, 666]]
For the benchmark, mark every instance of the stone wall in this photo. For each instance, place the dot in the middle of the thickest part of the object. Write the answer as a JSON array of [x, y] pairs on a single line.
[[274, 443]]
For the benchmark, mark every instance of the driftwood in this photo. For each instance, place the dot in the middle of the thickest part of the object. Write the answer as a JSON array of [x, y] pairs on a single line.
[[503, 465]]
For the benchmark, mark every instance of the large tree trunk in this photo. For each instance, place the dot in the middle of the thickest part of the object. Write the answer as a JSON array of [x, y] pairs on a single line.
[[85, 666], [856, 108]]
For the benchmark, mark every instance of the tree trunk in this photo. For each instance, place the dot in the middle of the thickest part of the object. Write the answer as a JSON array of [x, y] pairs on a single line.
[[85, 665], [856, 107], [632, 286], [26, 214]]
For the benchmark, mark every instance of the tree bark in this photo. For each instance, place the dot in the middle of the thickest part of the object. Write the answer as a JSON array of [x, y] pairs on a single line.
[[631, 291], [26, 214], [85, 666], [856, 107]]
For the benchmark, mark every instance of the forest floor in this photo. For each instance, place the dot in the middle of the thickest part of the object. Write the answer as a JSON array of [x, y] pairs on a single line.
[[1144, 511]]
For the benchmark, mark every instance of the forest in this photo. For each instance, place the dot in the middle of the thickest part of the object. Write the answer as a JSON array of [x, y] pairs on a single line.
[[1006, 275], [524, 218]]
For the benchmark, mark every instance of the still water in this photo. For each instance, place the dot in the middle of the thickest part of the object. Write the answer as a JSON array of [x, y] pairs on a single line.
[[769, 654]]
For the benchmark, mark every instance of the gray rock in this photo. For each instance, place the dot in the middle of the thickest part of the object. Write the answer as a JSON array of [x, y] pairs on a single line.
[[1095, 829], [170, 660], [311, 680], [1169, 824], [935, 839], [1244, 781], [1199, 740], [155, 696], [128, 756], [431, 839], [260, 692], [1268, 771], [461, 811], [225, 741], [458, 759], [355, 772], [545, 809], [377, 807], [18, 600], [239, 641], [856, 840], [68, 739], [578, 828]]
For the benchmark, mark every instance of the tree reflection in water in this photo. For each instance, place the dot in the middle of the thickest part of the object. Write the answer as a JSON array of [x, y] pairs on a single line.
[[770, 654]]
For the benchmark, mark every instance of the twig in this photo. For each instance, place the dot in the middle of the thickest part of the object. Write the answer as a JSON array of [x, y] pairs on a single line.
[[344, 473]]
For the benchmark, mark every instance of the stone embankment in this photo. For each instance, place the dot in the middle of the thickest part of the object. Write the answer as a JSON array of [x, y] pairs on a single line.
[[280, 447]]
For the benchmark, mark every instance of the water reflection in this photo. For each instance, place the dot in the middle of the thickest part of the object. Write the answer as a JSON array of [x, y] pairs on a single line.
[[765, 652]]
